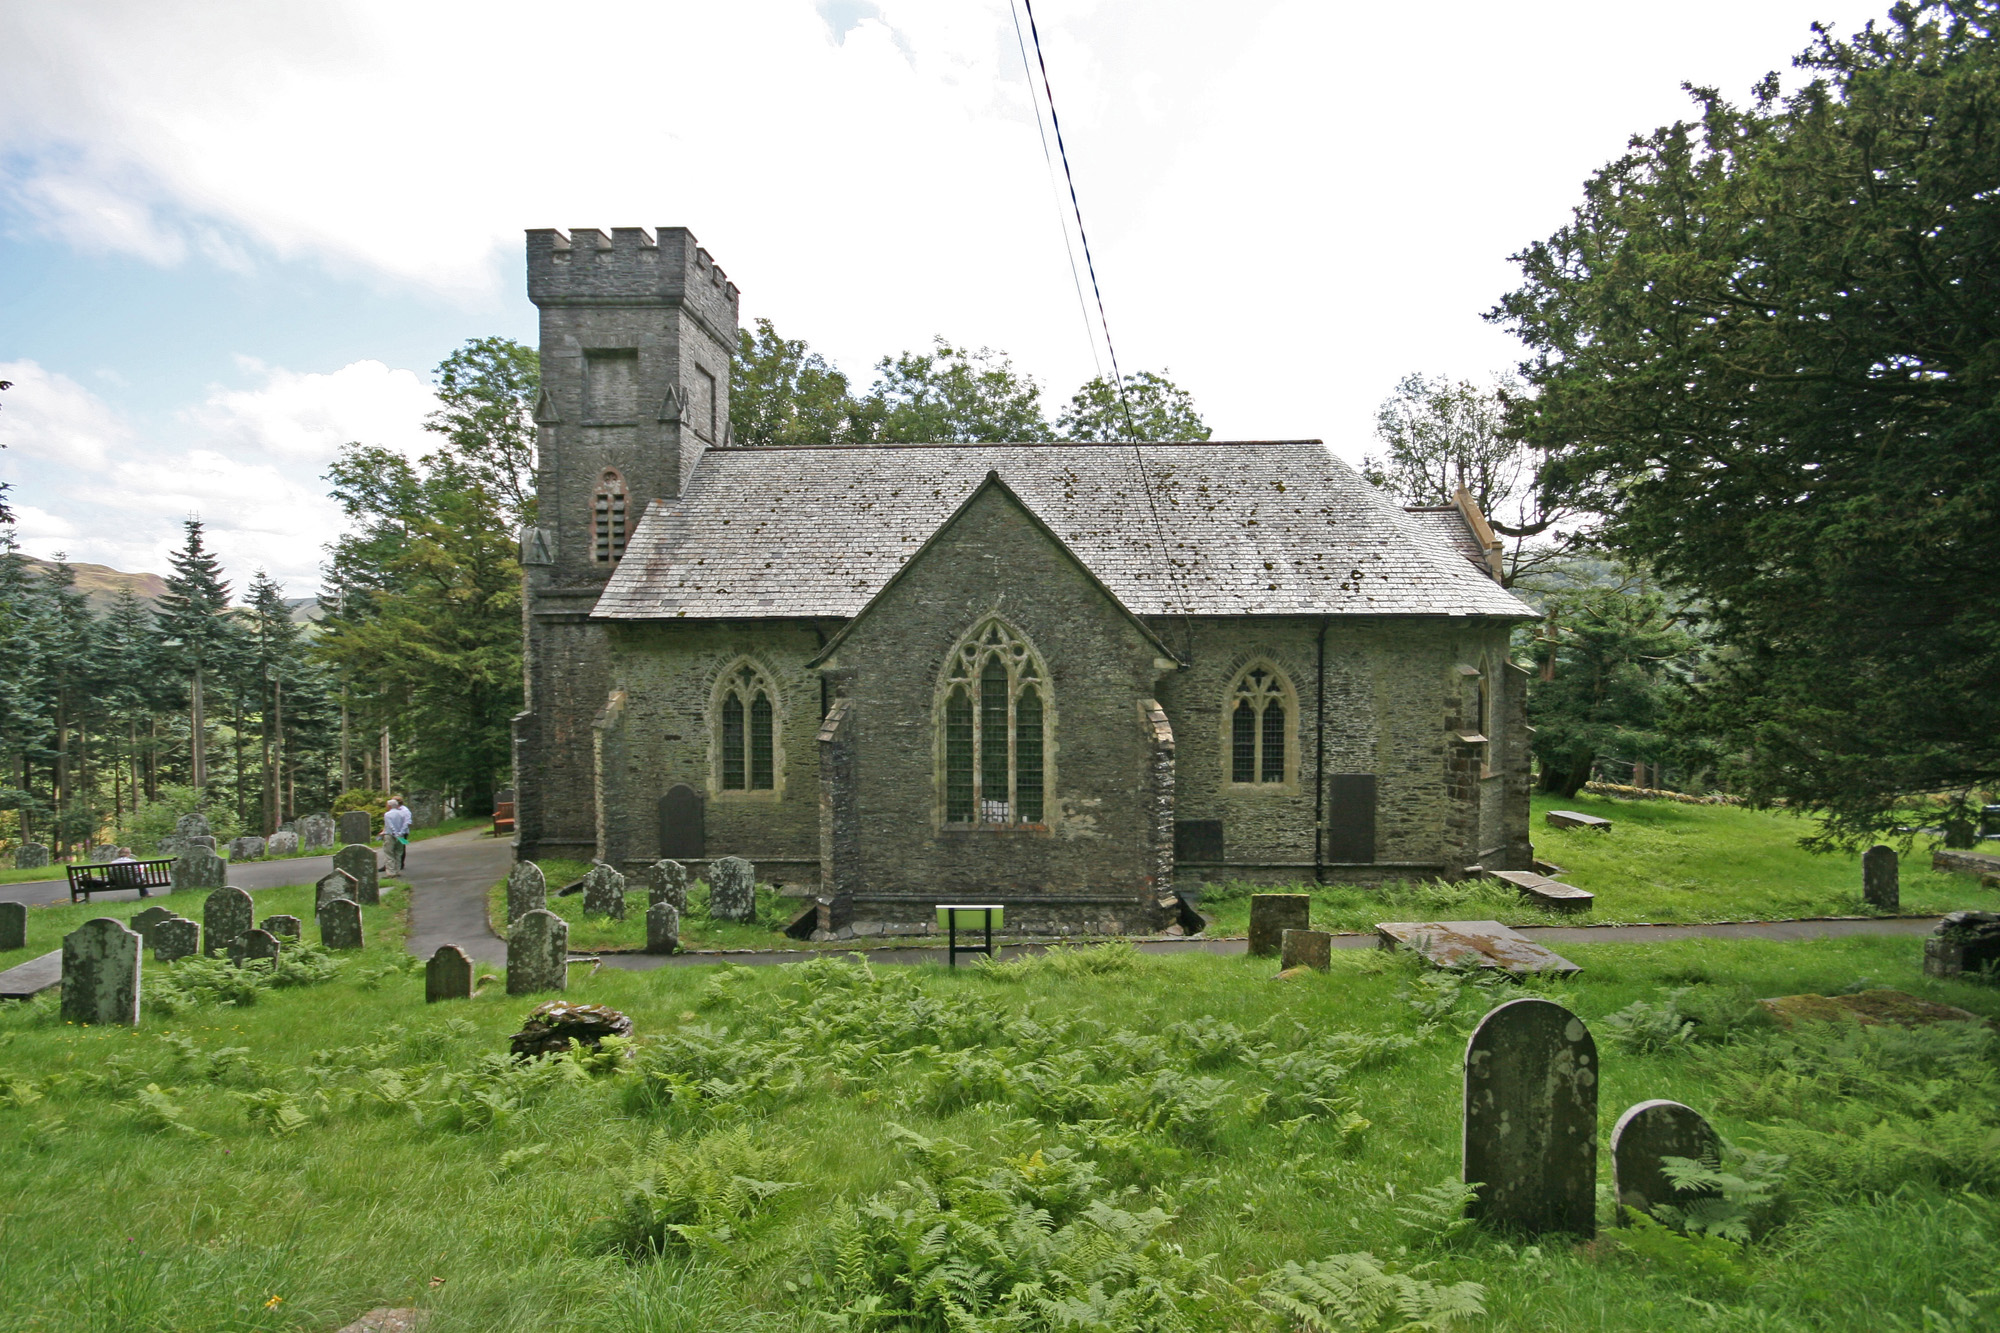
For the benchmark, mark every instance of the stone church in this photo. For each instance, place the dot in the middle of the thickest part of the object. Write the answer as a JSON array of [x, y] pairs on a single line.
[[1062, 677]]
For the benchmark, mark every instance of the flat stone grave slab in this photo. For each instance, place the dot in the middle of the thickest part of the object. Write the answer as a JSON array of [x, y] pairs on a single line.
[[31, 978], [1870, 1008], [1546, 892], [1574, 819], [1486, 943]]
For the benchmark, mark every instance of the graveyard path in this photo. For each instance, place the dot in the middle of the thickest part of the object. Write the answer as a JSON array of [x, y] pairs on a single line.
[[1734, 930], [251, 875], [448, 879]]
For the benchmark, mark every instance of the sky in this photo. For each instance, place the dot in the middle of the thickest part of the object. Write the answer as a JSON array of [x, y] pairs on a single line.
[[234, 236]]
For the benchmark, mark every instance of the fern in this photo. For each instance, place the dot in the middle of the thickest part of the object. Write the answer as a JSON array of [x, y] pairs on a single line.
[[697, 1193], [1357, 1293], [275, 1109], [1437, 1216], [158, 1112]]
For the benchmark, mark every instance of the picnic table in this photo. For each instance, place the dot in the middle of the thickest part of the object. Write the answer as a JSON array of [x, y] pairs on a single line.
[[105, 877]]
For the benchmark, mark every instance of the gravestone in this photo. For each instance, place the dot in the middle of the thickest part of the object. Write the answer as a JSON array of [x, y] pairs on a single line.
[[144, 921], [1645, 1135], [1575, 819], [224, 916], [334, 884], [1880, 888], [355, 826], [538, 953], [284, 927], [1483, 944], [683, 828], [448, 975], [667, 882], [527, 891], [315, 832], [13, 926], [1967, 941], [426, 809], [604, 892], [358, 860], [100, 973], [246, 848], [30, 855], [732, 889], [1271, 915], [192, 826], [201, 840], [198, 868], [340, 924], [663, 928], [253, 944], [100, 855], [1531, 1120], [1306, 948], [176, 937], [281, 844]]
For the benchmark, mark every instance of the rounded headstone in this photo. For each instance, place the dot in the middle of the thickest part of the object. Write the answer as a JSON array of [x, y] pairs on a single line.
[[732, 889], [315, 832], [604, 892], [538, 953], [224, 916], [145, 921], [103, 854], [1531, 1120], [667, 882], [448, 975], [176, 937], [192, 826], [282, 843], [527, 890], [246, 848], [358, 860], [340, 924], [663, 928], [100, 973], [30, 855], [13, 926], [1880, 880], [1642, 1138]]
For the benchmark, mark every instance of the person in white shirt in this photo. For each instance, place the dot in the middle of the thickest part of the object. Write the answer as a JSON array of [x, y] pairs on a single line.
[[396, 821]]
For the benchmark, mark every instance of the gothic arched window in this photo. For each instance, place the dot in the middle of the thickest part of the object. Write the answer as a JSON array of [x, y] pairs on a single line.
[[746, 750], [607, 518], [1261, 717], [993, 729]]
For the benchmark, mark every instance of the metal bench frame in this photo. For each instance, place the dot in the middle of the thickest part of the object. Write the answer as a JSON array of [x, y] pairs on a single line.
[[112, 876]]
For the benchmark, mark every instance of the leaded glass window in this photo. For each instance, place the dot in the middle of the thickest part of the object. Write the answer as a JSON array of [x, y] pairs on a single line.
[[746, 731], [1260, 728], [994, 723]]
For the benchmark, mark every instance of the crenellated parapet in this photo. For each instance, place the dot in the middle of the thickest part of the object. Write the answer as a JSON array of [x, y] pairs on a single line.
[[633, 266]]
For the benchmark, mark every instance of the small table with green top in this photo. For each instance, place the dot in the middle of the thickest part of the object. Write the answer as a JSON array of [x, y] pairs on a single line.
[[990, 916]]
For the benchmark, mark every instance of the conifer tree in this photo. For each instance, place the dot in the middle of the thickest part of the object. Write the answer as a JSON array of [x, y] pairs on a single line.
[[193, 616]]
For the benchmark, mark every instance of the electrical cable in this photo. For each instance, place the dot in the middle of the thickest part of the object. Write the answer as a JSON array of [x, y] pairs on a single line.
[[1049, 161]]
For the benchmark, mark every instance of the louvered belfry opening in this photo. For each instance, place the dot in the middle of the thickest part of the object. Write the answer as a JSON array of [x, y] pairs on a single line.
[[608, 518], [995, 721]]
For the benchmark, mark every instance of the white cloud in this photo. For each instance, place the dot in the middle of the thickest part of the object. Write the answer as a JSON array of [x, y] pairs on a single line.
[[48, 416], [308, 417]]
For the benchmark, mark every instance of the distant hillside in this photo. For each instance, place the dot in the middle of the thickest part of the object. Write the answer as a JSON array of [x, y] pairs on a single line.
[[101, 585]]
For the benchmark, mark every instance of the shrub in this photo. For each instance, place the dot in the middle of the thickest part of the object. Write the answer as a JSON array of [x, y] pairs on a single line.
[[143, 828]]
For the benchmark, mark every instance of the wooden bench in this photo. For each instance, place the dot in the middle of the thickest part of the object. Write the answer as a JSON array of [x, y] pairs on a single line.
[[1545, 892], [110, 876]]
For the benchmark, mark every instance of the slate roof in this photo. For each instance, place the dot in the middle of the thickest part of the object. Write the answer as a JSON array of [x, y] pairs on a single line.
[[1252, 528], [1448, 523]]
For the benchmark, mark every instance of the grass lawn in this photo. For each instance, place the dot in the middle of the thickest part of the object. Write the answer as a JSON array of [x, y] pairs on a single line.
[[697, 931], [1660, 861], [825, 1146]]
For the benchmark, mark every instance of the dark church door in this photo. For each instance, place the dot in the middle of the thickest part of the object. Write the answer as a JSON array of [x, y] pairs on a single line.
[[681, 834]]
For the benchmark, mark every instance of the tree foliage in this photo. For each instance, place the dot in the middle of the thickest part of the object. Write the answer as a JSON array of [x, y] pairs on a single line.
[[1152, 407], [1767, 345], [488, 389], [953, 395], [783, 393]]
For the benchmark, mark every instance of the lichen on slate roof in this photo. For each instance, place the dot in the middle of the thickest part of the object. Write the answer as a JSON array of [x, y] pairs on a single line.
[[1251, 528]]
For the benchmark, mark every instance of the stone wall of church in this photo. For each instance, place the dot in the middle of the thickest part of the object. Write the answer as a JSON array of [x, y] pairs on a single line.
[[1396, 694], [664, 734]]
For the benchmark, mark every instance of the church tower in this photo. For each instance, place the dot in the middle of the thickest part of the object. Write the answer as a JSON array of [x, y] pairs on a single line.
[[637, 333]]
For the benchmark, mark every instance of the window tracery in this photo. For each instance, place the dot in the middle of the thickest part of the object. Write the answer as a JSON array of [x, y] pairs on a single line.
[[993, 725], [746, 730], [1260, 727]]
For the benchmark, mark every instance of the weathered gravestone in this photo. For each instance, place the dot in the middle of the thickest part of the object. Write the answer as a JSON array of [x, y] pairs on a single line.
[[527, 891], [355, 826], [315, 832], [667, 882], [101, 854], [1643, 1137], [192, 826], [198, 868], [663, 928], [13, 926], [426, 809], [201, 840], [144, 922], [358, 860], [1306, 948], [538, 953], [1880, 881], [176, 937], [732, 889], [335, 884], [604, 892], [1483, 944], [224, 916], [100, 973], [448, 975], [252, 944], [284, 927], [1271, 915], [340, 924], [1531, 1120], [246, 848], [281, 844], [30, 855]]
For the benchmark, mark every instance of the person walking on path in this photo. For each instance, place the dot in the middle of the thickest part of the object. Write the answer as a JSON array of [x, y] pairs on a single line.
[[396, 822]]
